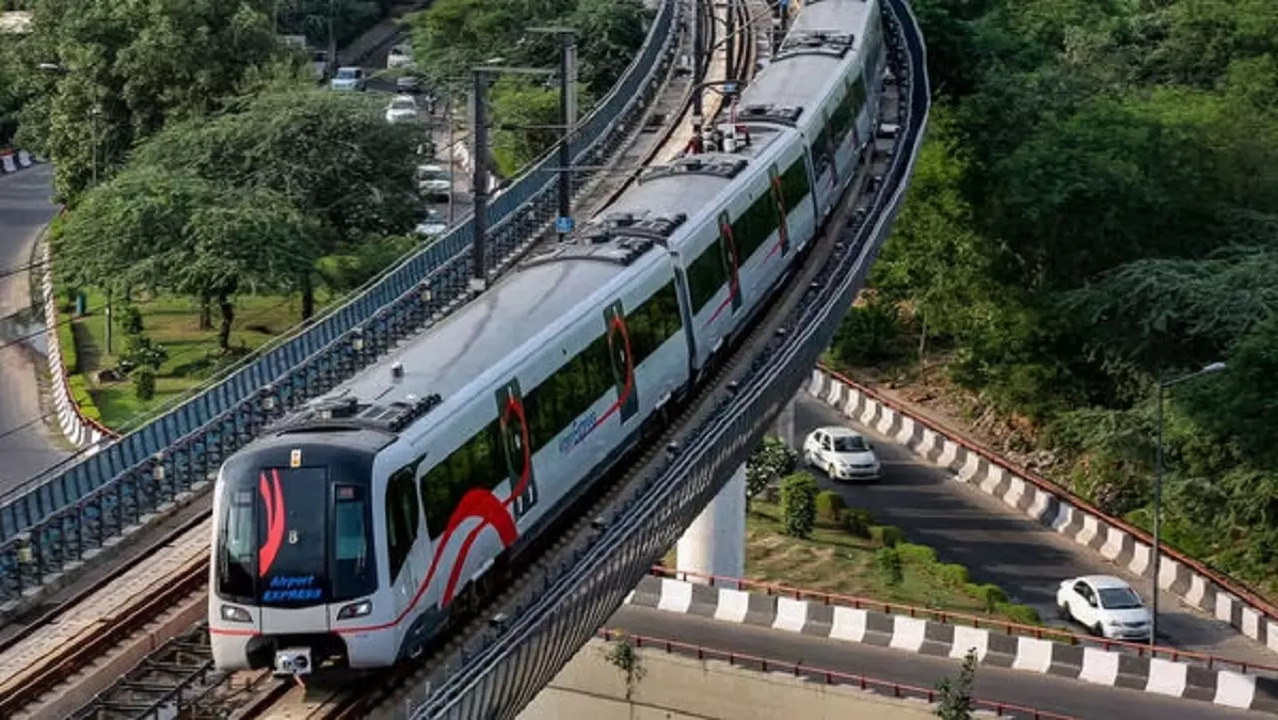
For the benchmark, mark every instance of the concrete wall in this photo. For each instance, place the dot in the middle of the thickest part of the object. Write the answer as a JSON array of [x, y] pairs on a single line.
[[678, 688]]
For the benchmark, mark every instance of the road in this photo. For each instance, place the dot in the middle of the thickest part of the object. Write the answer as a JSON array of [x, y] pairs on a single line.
[[1044, 692], [966, 526], [25, 208]]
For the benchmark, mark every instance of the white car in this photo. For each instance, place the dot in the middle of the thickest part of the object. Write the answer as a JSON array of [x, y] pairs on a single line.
[[402, 108], [434, 224], [400, 56], [1106, 605], [842, 453], [349, 78], [434, 182]]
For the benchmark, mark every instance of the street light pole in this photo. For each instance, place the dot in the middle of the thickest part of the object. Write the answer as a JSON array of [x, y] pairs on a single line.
[[1163, 385]]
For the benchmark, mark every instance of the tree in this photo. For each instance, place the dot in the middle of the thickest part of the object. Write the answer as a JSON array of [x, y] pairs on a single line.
[[772, 461], [956, 693], [609, 33], [131, 67], [330, 156], [798, 504], [160, 230]]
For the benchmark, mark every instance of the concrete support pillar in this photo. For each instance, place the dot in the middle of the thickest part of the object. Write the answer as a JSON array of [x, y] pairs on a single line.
[[714, 544]]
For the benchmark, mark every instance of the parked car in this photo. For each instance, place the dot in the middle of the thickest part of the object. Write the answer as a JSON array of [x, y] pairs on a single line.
[[1106, 605], [349, 78], [434, 182], [434, 224], [400, 56], [402, 108], [408, 84], [842, 453]]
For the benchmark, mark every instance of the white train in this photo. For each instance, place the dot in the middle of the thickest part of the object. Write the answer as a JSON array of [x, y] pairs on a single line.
[[345, 538]]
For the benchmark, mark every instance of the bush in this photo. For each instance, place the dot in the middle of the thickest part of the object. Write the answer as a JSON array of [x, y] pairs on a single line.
[[144, 383], [989, 595], [141, 352], [886, 535], [1017, 613], [772, 461], [79, 390], [856, 521], [916, 554], [66, 343], [868, 334], [888, 563], [829, 505], [131, 320], [952, 574], [798, 504]]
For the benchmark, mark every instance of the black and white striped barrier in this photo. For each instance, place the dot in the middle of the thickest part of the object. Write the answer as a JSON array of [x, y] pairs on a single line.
[[993, 647], [1113, 539], [12, 161]]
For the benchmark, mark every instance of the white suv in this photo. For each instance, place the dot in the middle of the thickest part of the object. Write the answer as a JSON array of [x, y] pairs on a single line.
[[842, 453]]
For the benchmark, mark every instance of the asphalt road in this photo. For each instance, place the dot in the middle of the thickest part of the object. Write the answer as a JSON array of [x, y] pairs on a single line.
[[25, 208], [1044, 692], [999, 546]]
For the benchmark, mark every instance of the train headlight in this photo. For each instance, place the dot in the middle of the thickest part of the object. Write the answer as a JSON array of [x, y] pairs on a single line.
[[354, 610], [230, 613]]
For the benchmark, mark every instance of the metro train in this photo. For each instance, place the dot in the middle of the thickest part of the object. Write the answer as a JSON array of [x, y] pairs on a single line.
[[347, 535]]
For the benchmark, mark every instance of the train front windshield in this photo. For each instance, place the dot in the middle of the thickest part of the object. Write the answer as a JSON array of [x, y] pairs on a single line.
[[292, 537]]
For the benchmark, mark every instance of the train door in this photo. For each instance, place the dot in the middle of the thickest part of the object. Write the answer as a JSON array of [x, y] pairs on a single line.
[[516, 448], [621, 360], [402, 525], [778, 201], [730, 260]]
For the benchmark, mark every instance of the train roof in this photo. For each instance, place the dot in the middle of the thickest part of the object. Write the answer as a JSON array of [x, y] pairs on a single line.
[[826, 34], [476, 337], [669, 196]]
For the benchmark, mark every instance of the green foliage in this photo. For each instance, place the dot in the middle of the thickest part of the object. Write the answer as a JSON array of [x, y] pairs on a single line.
[[131, 320], [80, 396], [856, 522], [528, 114], [954, 575], [888, 563], [141, 352], [916, 554], [1017, 613], [1094, 210], [868, 334], [623, 655], [143, 383], [139, 65], [829, 506], [956, 693], [772, 461], [798, 504], [991, 596], [886, 535]]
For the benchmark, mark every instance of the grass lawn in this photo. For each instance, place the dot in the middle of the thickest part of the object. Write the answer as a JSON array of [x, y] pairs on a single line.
[[173, 322], [838, 562]]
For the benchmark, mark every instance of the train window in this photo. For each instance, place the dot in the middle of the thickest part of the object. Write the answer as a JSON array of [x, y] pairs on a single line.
[[237, 566], [794, 184], [857, 95], [401, 518], [755, 226], [653, 323], [476, 464], [843, 120], [569, 392], [705, 276], [354, 573]]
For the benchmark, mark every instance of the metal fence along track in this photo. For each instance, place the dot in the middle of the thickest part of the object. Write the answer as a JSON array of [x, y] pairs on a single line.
[[62, 520], [497, 677]]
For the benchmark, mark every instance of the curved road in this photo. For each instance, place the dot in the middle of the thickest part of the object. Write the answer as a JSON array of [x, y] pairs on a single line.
[[966, 526], [1044, 692], [25, 209]]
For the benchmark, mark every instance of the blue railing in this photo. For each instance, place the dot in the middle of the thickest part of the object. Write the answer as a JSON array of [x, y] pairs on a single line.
[[56, 520]]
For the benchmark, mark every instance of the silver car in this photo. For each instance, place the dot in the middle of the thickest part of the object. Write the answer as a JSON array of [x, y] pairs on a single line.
[[349, 78]]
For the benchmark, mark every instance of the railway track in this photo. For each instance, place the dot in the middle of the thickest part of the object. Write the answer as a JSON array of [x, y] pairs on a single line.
[[289, 703]]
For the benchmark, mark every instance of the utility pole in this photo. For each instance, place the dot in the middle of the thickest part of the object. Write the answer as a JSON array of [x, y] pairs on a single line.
[[479, 180], [448, 118], [568, 116], [479, 160], [696, 66]]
